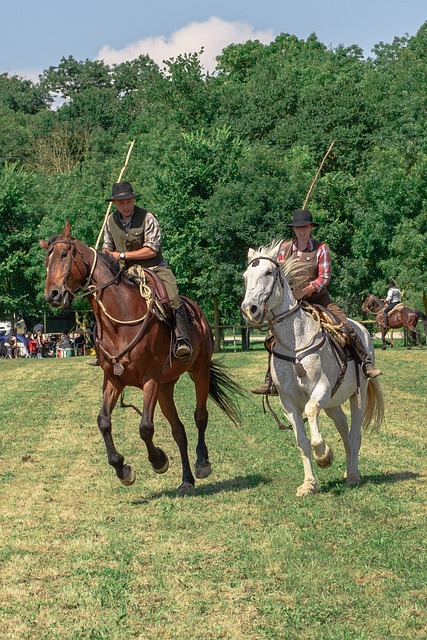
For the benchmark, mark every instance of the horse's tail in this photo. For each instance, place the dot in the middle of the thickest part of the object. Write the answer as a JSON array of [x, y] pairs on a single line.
[[423, 317], [374, 410], [221, 386]]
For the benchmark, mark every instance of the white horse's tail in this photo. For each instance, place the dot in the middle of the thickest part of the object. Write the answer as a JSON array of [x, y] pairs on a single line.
[[374, 410]]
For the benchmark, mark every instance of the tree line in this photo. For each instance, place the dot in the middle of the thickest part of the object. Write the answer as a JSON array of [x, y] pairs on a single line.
[[223, 159]]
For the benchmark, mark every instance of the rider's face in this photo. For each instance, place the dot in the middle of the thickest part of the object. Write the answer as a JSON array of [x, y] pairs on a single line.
[[125, 207], [303, 233]]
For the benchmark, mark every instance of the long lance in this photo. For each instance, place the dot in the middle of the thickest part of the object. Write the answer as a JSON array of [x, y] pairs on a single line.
[[110, 203], [317, 175]]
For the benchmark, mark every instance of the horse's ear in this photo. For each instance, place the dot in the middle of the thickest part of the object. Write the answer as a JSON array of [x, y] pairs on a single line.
[[66, 231], [251, 254], [43, 244]]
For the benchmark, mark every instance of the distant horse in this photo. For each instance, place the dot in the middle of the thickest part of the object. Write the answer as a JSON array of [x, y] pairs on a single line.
[[133, 348], [305, 367], [398, 317]]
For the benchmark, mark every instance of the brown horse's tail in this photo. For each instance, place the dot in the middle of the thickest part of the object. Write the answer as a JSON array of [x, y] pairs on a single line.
[[423, 317], [221, 387], [374, 410]]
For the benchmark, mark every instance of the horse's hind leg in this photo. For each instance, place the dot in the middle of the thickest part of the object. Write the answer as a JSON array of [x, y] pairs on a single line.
[[351, 444], [167, 405], [351, 438], [203, 467], [123, 471]]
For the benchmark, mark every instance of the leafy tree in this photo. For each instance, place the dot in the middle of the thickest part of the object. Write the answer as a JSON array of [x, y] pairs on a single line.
[[18, 223]]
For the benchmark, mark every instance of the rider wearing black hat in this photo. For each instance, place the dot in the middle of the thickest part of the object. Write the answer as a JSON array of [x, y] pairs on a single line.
[[315, 259], [132, 235]]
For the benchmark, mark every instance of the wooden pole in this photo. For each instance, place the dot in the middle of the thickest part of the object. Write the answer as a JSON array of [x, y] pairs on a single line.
[[110, 203], [317, 175]]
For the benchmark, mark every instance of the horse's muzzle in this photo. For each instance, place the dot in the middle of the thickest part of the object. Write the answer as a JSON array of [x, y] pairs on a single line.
[[252, 313], [57, 298]]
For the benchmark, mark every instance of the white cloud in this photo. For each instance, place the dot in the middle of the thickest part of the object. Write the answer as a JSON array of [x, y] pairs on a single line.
[[213, 35]]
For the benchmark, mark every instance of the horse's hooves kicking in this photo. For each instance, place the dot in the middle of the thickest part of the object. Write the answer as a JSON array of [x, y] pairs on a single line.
[[202, 470], [164, 462], [185, 489], [129, 479], [308, 488], [324, 461]]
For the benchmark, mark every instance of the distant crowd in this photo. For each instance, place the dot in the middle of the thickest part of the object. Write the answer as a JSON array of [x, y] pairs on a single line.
[[37, 344]]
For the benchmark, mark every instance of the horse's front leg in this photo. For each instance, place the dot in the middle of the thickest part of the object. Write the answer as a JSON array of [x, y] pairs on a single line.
[[157, 457], [294, 415], [167, 405], [321, 451], [110, 396]]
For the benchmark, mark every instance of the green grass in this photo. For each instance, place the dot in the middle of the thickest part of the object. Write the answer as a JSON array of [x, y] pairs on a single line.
[[83, 557]]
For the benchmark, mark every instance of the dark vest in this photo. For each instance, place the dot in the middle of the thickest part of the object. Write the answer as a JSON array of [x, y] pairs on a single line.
[[134, 238], [308, 270]]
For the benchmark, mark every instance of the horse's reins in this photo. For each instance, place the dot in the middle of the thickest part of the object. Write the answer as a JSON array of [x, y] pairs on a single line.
[[86, 291], [273, 319], [89, 289]]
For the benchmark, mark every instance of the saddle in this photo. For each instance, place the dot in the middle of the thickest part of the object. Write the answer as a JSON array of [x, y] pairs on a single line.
[[144, 278], [395, 309], [330, 323], [334, 330]]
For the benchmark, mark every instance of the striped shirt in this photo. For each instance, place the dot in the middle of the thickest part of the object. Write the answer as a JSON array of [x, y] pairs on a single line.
[[323, 258]]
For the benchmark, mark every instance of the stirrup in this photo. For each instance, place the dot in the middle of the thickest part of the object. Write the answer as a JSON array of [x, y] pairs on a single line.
[[183, 350]]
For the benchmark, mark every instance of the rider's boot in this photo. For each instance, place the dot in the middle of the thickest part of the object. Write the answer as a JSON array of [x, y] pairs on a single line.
[[368, 368], [183, 348]]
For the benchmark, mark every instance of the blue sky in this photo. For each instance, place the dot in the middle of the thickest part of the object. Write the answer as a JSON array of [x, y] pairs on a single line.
[[36, 34]]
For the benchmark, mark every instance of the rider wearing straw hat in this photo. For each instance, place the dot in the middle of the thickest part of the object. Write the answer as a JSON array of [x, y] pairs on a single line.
[[316, 259]]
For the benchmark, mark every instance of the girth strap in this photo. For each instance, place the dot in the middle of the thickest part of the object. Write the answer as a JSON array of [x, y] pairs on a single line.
[[296, 360]]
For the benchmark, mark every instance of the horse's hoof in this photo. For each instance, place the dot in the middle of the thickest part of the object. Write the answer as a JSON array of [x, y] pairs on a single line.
[[129, 479], [185, 489], [308, 488], [326, 459], [202, 470], [164, 462], [352, 480]]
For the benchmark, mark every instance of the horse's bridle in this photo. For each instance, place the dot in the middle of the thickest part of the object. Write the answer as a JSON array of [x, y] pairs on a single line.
[[278, 277], [87, 291], [367, 305]]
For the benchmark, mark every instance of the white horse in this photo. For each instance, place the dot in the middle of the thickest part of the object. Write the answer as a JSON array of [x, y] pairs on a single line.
[[305, 369]]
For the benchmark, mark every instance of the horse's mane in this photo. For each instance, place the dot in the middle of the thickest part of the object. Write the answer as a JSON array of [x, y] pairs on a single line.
[[111, 263], [292, 269]]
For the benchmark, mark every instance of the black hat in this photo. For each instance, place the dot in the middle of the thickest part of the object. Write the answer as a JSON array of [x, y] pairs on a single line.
[[391, 283], [122, 191], [302, 217]]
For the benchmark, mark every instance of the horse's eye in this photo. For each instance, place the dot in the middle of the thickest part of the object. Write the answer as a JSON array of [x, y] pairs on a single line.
[[269, 272], [63, 254]]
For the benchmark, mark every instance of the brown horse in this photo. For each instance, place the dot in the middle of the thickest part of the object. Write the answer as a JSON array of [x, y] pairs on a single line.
[[401, 317], [133, 347]]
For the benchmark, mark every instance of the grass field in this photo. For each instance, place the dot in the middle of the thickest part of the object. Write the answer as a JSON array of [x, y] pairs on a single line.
[[83, 557]]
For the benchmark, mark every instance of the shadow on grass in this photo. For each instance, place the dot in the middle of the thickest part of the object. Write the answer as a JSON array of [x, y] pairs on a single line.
[[239, 483], [340, 486]]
